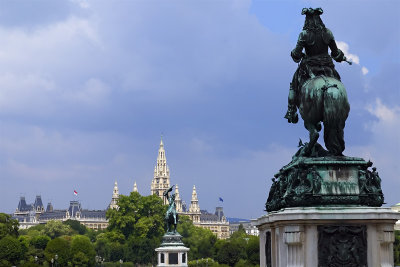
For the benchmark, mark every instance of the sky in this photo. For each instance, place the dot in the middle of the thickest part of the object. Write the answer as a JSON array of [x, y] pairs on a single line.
[[87, 88]]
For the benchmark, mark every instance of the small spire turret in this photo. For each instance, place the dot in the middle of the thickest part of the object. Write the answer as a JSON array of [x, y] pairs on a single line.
[[178, 201], [194, 209], [115, 197]]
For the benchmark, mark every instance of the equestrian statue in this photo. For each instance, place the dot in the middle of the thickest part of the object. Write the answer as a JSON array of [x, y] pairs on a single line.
[[316, 89], [316, 176], [171, 216]]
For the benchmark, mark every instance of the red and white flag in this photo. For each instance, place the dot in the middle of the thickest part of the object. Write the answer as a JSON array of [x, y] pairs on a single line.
[[75, 193]]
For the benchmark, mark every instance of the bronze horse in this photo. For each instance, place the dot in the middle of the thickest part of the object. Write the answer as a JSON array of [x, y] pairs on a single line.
[[171, 216], [324, 99]]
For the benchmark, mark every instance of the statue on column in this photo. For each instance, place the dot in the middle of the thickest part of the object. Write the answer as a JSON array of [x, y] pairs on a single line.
[[316, 89], [318, 176]]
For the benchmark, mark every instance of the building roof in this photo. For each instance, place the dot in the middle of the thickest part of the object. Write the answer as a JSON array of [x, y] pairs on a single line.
[[98, 214], [38, 203], [22, 206], [53, 215], [209, 217]]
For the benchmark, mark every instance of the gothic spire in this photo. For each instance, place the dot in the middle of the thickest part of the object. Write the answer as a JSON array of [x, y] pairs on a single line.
[[178, 200], [194, 203], [115, 196], [161, 181]]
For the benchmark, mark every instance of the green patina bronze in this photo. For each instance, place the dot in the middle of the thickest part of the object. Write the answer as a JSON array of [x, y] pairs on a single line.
[[315, 176], [316, 89], [171, 237], [325, 180], [171, 216]]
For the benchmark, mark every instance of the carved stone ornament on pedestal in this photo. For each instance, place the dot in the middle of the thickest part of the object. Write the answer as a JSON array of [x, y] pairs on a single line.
[[342, 246]]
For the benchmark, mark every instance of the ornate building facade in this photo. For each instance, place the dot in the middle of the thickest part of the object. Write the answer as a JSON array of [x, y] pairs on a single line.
[[32, 214]]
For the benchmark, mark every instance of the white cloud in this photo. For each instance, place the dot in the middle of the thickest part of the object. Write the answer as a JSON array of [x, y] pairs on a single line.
[[351, 57], [345, 48], [387, 116], [384, 146]]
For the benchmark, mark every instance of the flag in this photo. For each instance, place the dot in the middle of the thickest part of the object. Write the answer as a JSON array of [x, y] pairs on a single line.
[[220, 199], [75, 193]]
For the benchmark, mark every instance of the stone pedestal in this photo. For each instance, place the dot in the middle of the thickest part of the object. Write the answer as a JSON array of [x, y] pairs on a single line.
[[172, 251], [341, 235]]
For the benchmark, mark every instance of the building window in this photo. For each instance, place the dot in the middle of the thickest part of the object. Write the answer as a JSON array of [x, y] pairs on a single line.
[[183, 257]]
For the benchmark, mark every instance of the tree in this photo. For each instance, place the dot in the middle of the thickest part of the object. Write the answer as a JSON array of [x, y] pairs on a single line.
[[82, 244], [40, 241], [76, 226], [141, 250], [253, 250], [141, 216], [80, 259], [10, 249], [8, 226], [230, 253], [116, 251], [59, 246], [200, 241], [55, 229]]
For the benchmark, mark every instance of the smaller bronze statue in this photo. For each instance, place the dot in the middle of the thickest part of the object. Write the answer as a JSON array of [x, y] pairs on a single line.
[[171, 217]]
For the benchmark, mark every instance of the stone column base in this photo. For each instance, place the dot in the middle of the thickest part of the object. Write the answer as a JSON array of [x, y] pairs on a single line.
[[172, 256], [314, 236]]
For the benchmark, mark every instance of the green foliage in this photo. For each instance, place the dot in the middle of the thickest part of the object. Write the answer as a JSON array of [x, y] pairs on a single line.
[[141, 250], [82, 244], [208, 262], [141, 216], [80, 259], [33, 231], [253, 250], [116, 251], [76, 226], [200, 241], [29, 264], [8, 226], [40, 241], [55, 229], [239, 250], [10, 249], [230, 253], [59, 246], [124, 264]]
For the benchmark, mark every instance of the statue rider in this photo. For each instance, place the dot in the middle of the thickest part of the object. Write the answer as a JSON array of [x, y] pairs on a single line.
[[171, 217], [315, 38]]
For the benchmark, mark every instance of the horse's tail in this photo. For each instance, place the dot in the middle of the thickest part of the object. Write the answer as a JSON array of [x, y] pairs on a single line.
[[336, 110]]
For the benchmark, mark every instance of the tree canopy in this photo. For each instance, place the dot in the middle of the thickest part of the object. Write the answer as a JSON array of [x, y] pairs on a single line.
[[141, 216], [8, 226]]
